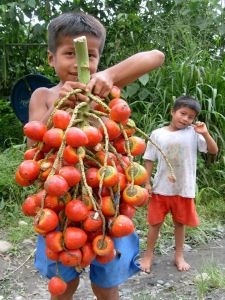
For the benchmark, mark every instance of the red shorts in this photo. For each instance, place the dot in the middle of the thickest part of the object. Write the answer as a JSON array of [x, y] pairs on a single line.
[[182, 209]]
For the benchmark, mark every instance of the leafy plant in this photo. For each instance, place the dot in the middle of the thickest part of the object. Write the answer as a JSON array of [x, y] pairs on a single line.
[[11, 129]]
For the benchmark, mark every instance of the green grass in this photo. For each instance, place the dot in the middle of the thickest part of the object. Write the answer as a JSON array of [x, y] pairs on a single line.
[[210, 277]]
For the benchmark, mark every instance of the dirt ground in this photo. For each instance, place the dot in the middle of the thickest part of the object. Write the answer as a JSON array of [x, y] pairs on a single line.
[[164, 282]]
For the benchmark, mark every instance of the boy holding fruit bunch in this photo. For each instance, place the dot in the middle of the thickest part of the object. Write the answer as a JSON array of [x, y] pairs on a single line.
[[105, 278], [180, 141]]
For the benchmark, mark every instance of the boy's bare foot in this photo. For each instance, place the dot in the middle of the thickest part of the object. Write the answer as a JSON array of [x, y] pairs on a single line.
[[146, 262], [181, 264]]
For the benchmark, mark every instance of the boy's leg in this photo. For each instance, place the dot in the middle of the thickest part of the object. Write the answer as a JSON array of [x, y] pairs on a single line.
[[71, 289], [179, 232], [105, 293], [153, 233]]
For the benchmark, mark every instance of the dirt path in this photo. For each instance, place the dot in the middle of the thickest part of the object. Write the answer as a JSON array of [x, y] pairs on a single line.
[[164, 282]]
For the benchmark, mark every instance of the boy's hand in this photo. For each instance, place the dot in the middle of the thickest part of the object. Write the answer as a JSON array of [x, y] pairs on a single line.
[[68, 87], [148, 188], [100, 84], [200, 127]]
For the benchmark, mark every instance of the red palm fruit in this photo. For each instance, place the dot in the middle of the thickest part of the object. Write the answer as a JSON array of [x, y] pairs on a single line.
[[88, 255], [71, 258], [98, 107], [76, 210], [105, 191], [137, 145], [30, 153], [111, 176], [115, 92], [106, 258], [22, 181], [29, 169], [56, 185], [139, 172], [71, 174], [52, 157], [125, 160], [145, 198], [76, 137], [112, 129], [71, 156], [120, 112], [29, 206], [121, 226], [53, 137], [35, 130], [54, 241], [102, 245], [61, 119], [87, 201], [74, 238], [107, 206], [57, 286], [133, 195], [93, 134], [120, 145], [44, 175], [93, 222], [127, 210], [39, 231], [92, 234], [91, 177], [122, 183], [100, 156], [51, 254], [130, 127], [39, 196], [120, 169], [51, 202], [46, 220], [116, 101], [46, 148]]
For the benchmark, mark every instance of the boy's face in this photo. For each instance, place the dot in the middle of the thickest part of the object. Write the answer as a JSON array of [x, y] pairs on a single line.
[[64, 60], [182, 117]]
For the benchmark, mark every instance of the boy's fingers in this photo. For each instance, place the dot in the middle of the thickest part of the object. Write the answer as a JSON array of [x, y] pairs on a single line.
[[91, 85], [83, 98]]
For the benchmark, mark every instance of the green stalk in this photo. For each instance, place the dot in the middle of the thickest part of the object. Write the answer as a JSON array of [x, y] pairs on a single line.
[[82, 59]]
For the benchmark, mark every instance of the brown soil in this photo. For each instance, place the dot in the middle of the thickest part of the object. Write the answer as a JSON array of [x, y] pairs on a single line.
[[164, 282]]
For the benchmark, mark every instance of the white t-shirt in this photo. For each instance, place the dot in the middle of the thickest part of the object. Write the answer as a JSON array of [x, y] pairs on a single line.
[[181, 148]]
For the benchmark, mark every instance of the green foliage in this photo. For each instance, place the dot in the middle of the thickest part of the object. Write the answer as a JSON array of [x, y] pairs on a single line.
[[210, 277], [11, 129], [11, 194]]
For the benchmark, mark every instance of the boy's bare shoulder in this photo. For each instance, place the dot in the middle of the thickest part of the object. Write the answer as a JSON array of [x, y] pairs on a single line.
[[41, 92], [43, 95]]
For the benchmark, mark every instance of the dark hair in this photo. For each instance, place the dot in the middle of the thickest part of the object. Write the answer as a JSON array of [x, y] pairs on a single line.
[[187, 101], [73, 24]]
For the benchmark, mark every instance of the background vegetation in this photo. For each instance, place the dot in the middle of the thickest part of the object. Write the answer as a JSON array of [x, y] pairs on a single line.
[[191, 34]]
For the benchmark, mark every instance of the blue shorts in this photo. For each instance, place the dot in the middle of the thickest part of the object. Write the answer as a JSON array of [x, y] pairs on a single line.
[[103, 275]]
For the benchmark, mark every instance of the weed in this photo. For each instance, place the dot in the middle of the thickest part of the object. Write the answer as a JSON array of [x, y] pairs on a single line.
[[211, 276]]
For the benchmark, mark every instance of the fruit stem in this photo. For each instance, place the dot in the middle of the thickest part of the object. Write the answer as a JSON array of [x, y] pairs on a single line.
[[106, 152], [172, 175], [82, 59], [128, 153]]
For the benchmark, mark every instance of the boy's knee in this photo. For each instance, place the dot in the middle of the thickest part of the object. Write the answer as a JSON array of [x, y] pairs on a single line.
[[105, 293]]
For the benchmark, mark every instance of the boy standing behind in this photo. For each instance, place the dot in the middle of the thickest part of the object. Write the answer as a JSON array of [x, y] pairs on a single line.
[[180, 141], [62, 57]]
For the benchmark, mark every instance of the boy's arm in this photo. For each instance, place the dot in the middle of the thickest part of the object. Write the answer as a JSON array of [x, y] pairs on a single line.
[[38, 109], [126, 71], [149, 168], [201, 128]]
